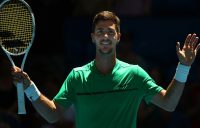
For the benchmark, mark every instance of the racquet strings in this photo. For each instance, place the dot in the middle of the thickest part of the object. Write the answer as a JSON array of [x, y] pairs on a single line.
[[16, 27]]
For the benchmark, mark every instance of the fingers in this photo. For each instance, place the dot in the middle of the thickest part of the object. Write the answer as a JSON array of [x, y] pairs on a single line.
[[191, 41], [17, 77], [20, 76], [187, 40], [178, 46], [197, 48], [194, 42], [15, 69]]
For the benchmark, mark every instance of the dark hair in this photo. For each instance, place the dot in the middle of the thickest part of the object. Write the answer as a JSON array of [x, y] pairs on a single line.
[[106, 15]]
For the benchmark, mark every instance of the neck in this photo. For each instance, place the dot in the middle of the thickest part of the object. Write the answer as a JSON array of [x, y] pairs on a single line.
[[105, 64]]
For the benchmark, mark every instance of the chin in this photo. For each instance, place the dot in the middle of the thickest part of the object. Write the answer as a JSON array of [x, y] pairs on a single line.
[[105, 52]]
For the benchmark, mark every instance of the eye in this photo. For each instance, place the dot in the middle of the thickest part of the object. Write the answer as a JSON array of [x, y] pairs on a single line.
[[111, 33], [103, 32], [99, 32]]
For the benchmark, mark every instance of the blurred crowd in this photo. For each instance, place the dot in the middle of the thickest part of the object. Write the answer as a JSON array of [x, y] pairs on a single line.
[[49, 66], [121, 7]]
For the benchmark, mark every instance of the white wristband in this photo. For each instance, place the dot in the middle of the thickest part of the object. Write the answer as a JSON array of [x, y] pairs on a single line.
[[182, 72], [32, 92]]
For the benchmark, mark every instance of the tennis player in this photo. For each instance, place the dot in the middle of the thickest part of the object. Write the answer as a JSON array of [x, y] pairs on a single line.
[[107, 92]]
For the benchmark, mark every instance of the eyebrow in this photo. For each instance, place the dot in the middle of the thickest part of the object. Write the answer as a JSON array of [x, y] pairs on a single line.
[[105, 28]]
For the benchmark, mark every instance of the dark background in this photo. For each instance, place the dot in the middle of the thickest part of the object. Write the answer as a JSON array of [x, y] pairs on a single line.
[[150, 30]]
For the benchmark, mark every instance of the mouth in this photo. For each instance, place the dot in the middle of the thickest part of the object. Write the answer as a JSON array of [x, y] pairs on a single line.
[[105, 42]]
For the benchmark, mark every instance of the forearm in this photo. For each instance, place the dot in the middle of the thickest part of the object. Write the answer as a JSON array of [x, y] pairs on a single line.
[[173, 94], [175, 88], [47, 109], [169, 98]]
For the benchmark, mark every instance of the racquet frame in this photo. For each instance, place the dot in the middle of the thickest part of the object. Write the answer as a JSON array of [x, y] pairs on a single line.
[[20, 88]]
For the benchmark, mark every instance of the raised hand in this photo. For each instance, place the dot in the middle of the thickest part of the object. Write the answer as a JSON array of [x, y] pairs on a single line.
[[189, 51]]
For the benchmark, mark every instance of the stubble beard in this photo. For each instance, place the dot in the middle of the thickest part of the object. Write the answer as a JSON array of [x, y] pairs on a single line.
[[105, 53]]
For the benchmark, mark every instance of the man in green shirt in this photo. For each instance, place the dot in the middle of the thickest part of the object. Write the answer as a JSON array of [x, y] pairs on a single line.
[[107, 92]]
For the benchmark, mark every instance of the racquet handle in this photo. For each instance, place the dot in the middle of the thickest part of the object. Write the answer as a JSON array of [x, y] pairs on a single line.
[[20, 97]]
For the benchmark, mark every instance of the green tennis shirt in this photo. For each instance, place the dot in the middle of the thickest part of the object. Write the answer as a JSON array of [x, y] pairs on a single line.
[[106, 101]]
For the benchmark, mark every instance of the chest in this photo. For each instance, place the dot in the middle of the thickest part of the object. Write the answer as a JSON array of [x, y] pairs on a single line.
[[105, 90]]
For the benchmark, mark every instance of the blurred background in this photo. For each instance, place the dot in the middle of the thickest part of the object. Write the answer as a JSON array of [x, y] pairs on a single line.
[[150, 30]]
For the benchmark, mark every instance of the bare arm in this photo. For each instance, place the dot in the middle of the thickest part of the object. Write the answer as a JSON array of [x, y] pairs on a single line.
[[49, 110], [169, 98]]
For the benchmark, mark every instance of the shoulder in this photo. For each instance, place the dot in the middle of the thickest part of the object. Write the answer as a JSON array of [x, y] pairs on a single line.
[[127, 66], [79, 74], [83, 68], [132, 69], [79, 71]]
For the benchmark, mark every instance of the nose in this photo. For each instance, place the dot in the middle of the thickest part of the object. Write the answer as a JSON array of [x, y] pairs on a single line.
[[105, 35]]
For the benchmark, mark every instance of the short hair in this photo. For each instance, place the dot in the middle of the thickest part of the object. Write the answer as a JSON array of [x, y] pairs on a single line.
[[104, 16]]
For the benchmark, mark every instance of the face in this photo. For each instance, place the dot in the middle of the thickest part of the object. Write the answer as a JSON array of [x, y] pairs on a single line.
[[105, 37]]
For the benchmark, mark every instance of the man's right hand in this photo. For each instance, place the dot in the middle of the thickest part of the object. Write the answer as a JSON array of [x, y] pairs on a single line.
[[19, 76]]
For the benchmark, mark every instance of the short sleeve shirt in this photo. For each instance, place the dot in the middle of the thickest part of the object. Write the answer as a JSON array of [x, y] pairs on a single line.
[[107, 101]]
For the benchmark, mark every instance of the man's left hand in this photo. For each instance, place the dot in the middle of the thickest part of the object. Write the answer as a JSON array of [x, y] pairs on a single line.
[[189, 51]]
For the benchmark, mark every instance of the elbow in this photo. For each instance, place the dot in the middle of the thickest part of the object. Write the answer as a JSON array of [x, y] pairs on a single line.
[[51, 120], [53, 117], [169, 107]]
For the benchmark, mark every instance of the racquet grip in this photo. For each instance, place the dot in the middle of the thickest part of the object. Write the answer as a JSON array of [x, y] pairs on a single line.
[[21, 100]]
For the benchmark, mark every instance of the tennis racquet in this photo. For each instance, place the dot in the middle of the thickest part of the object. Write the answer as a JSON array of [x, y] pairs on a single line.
[[17, 31]]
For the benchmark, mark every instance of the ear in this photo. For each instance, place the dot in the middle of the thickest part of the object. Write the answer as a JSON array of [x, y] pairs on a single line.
[[92, 36], [119, 37]]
